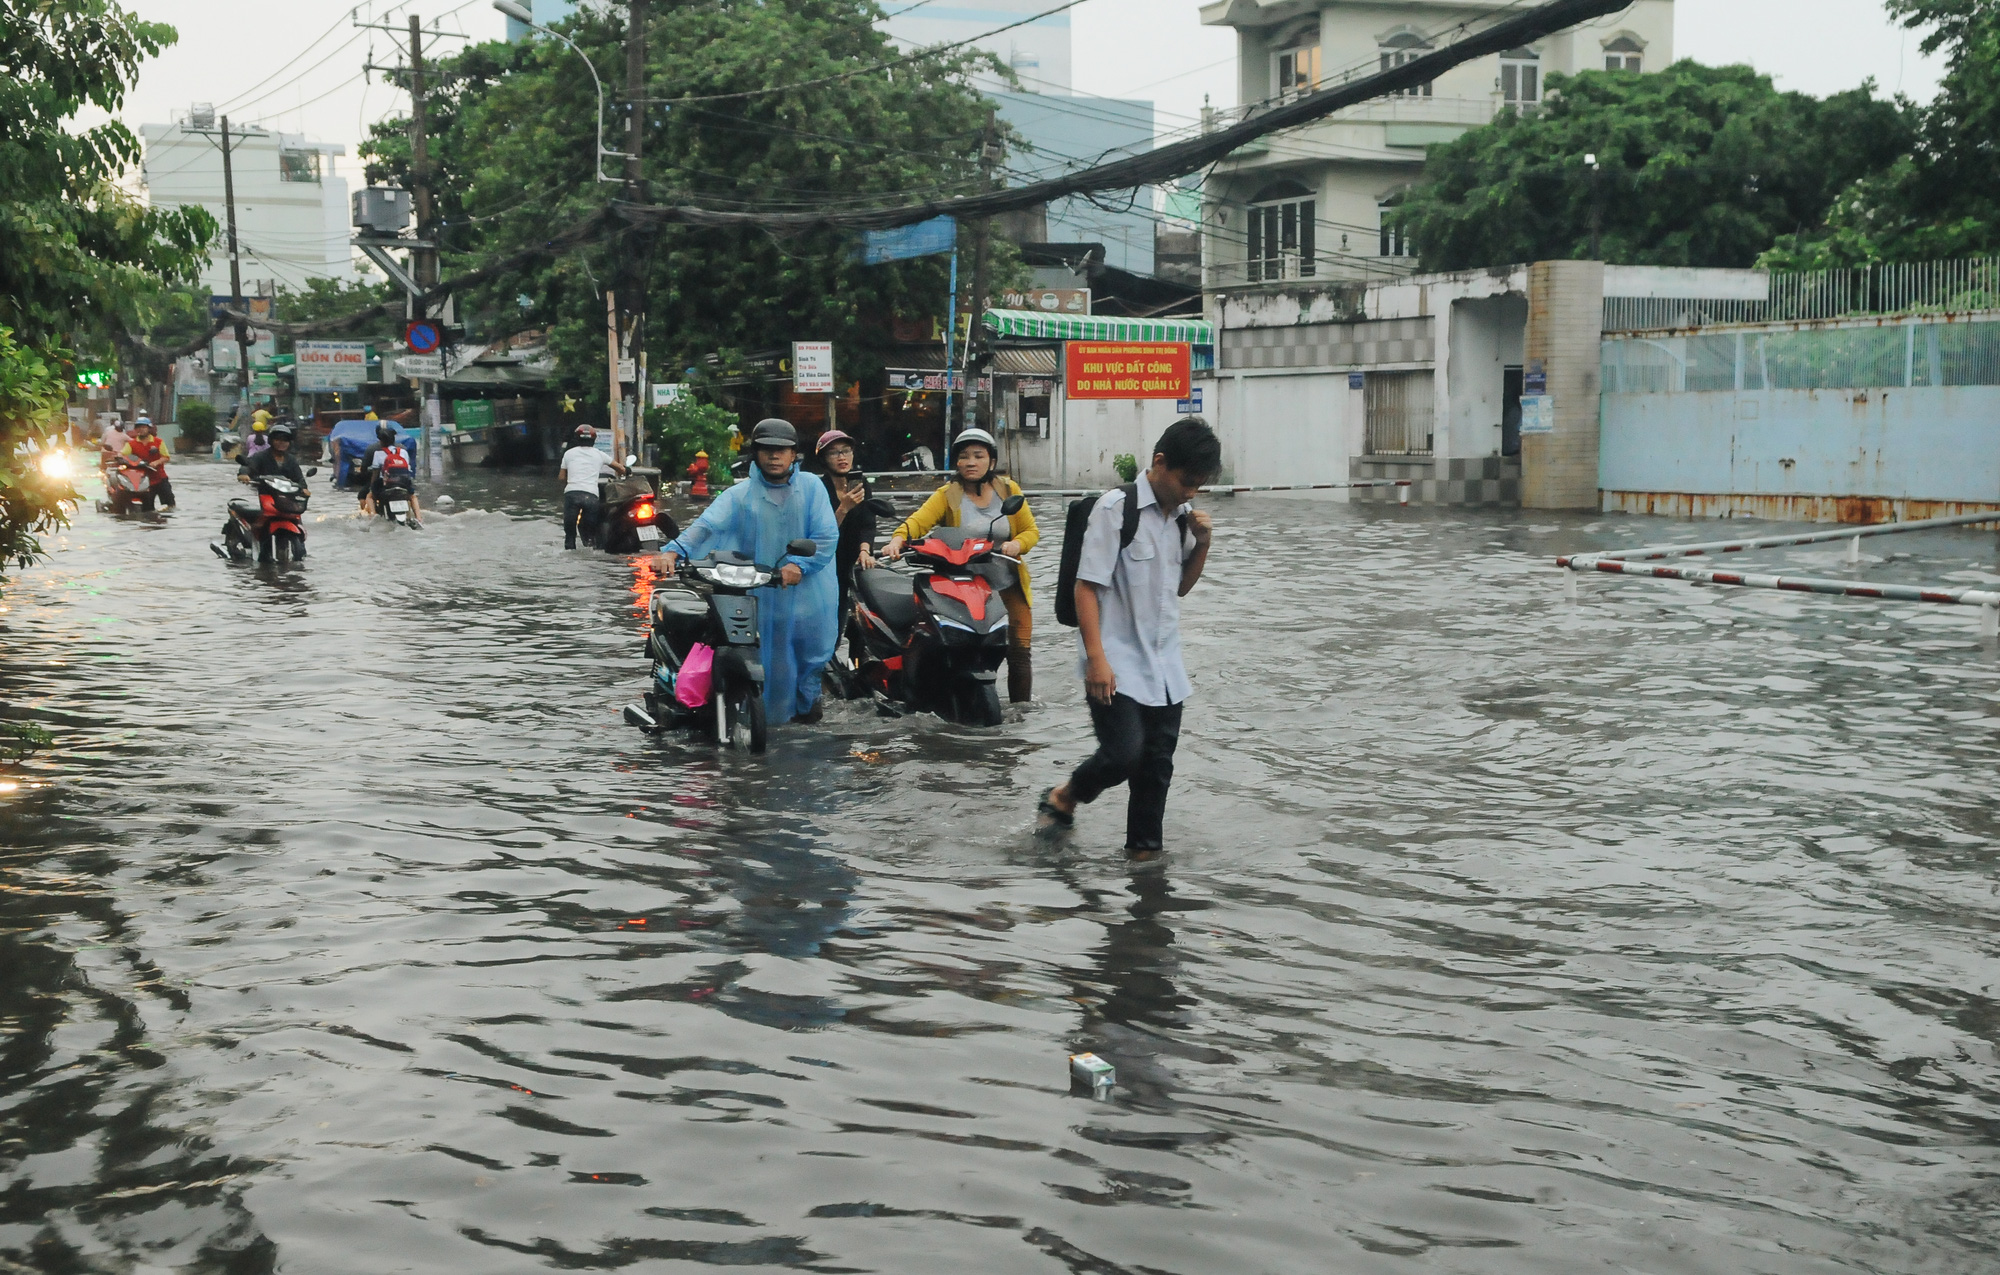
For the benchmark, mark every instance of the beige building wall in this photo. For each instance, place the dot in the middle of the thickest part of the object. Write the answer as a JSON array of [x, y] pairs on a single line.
[[1565, 336]]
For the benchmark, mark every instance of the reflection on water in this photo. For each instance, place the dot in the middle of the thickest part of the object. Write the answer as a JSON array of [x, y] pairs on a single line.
[[349, 930]]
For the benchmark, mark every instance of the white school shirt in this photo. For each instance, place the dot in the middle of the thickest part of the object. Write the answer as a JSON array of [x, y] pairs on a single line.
[[583, 465], [1138, 596]]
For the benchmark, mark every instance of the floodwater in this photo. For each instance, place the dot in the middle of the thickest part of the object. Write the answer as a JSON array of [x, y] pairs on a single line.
[[349, 930]]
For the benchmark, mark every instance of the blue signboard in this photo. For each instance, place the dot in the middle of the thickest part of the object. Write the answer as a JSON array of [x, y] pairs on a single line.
[[1190, 406], [421, 336], [925, 239], [1357, 380]]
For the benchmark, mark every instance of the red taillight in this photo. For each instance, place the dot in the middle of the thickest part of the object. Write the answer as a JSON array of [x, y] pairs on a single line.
[[642, 511]]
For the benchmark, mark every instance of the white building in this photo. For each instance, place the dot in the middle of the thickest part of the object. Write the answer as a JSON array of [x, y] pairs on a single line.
[[1310, 204], [291, 211]]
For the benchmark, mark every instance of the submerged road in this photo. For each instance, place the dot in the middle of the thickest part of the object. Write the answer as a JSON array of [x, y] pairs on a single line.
[[349, 930]]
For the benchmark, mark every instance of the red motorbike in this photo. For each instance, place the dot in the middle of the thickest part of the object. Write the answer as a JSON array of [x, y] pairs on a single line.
[[272, 523], [128, 485], [931, 634]]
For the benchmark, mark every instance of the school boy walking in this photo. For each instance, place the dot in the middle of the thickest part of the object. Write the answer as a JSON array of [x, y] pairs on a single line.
[[1130, 579]]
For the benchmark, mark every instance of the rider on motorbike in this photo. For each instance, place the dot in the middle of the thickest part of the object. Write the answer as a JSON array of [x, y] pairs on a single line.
[[973, 499], [390, 460], [144, 449], [276, 459], [111, 443]]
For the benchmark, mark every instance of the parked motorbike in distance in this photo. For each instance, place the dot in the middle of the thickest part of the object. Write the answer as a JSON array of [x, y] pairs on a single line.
[[710, 619], [270, 524], [931, 636], [128, 485], [629, 519]]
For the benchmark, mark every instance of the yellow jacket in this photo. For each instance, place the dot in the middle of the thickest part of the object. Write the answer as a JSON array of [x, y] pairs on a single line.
[[942, 509]]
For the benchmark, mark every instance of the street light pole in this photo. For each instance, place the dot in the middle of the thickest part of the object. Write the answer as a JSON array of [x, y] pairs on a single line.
[[520, 14]]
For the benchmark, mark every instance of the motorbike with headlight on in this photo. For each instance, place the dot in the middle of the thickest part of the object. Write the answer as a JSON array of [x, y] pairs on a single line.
[[706, 652]]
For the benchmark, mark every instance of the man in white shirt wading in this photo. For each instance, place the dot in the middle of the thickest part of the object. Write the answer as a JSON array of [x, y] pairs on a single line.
[[1128, 614], [582, 465]]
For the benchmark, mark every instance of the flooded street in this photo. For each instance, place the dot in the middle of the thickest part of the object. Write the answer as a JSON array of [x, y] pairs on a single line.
[[348, 929]]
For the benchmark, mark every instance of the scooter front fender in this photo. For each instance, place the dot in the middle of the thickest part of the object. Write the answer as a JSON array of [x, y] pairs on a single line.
[[742, 664]]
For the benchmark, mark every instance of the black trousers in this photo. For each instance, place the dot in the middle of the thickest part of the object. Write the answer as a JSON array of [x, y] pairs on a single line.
[[1135, 746], [580, 507]]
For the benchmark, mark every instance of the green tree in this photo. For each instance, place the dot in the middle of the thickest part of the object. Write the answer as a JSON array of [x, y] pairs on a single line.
[[686, 426], [1942, 198], [79, 258], [32, 498], [512, 154], [1700, 166]]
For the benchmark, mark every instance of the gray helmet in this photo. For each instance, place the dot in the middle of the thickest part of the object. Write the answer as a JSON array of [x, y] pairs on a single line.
[[980, 436], [774, 432]]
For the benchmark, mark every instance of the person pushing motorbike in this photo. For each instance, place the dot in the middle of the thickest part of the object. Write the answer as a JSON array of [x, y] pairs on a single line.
[[144, 448], [973, 499], [759, 517]]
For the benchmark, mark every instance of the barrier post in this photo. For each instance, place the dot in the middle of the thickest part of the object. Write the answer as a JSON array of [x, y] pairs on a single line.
[[1989, 622], [1569, 586], [1854, 551]]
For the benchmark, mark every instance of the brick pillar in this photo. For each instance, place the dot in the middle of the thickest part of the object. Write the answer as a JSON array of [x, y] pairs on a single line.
[[1565, 331]]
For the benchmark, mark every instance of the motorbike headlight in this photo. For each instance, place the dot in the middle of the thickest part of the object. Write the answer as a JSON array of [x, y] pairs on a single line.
[[58, 465], [737, 575]]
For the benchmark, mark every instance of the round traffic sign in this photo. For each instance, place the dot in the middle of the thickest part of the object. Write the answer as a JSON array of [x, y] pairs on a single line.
[[421, 336]]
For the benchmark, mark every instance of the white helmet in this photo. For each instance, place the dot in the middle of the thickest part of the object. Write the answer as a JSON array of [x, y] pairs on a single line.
[[980, 436]]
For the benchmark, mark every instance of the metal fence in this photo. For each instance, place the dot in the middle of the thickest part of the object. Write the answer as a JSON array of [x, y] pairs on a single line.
[[1911, 354], [1937, 287], [1402, 411]]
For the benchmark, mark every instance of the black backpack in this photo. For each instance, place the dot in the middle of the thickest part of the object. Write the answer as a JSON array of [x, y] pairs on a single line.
[[1072, 554]]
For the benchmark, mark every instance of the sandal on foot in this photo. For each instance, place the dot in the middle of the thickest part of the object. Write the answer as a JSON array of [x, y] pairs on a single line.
[[1051, 818]]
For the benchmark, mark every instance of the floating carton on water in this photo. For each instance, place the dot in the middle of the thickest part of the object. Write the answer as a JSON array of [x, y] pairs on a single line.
[[1089, 1072]]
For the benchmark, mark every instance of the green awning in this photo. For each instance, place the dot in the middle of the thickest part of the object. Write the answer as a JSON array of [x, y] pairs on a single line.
[[1093, 327]]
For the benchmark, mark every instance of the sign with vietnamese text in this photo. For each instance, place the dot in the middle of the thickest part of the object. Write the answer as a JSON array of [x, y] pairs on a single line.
[[812, 367], [906, 243], [1128, 369], [472, 413], [665, 394], [420, 366], [1191, 405], [1048, 300], [330, 365], [1538, 414]]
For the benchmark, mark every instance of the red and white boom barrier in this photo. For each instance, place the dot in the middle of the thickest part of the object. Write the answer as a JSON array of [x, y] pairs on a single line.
[[1653, 553], [1401, 484], [1988, 599]]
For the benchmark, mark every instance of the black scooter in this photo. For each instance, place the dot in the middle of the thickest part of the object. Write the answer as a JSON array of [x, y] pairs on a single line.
[[712, 608], [629, 518], [931, 636]]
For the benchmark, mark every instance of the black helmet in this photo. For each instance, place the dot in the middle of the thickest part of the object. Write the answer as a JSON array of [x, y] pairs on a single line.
[[385, 433], [774, 432], [280, 429]]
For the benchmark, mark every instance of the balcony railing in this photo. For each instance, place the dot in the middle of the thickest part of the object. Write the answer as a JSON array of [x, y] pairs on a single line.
[[1469, 111], [1291, 268]]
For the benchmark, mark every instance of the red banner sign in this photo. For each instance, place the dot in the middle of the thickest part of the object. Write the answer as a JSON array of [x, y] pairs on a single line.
[[1128, 369]]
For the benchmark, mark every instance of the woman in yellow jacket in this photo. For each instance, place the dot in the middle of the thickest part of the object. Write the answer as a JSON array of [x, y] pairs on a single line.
[[973, 499]]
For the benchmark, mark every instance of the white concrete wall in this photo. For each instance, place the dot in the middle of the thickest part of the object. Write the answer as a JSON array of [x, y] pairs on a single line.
[[1289, 427], [1487, 336]]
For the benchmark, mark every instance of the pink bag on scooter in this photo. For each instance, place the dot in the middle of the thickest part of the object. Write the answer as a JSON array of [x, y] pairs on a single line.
[[697, 676]]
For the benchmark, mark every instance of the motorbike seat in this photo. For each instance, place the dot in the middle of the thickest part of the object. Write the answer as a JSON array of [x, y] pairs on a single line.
[[890, 595], [246, 505], [680, 610]]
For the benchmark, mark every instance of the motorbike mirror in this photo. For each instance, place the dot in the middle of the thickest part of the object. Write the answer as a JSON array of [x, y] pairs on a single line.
[[1013, 505], [803, 548], [631, 460], [880, 506], [312, 471]]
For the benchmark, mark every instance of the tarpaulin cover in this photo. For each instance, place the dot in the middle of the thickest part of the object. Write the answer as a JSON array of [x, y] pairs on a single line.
[[799, 626], [351, 439]]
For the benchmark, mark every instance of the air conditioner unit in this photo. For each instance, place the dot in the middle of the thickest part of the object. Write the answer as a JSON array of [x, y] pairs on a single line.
[[382, 209], [201, 115]]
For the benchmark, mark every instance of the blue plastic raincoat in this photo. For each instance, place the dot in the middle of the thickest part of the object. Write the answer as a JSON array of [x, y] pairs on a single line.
[[800, 626]]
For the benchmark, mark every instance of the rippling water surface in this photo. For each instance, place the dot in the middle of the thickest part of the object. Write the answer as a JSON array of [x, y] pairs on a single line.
[[349, 930]]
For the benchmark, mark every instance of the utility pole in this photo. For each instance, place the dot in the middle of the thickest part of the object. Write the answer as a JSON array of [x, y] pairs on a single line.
[[636, 263], [235, 271], [989, 156], [424, 259], [1596, 207]]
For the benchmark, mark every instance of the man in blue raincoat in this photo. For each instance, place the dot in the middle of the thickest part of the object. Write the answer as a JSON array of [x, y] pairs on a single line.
[[758, 517]]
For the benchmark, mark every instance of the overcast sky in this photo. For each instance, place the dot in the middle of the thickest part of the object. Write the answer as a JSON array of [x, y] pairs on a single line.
[[1123, 48]]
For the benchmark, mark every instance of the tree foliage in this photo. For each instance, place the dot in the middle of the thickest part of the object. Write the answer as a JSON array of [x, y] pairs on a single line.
[[32, 395], [1701, 166], [1941, 199], [78, 257], [512, 158], [686, 426]]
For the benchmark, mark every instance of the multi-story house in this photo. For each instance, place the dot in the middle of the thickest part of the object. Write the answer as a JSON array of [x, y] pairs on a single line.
[[1316, 202]]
